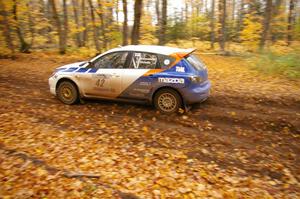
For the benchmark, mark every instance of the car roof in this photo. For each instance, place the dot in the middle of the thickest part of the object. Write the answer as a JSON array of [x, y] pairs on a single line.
[[164, 50]]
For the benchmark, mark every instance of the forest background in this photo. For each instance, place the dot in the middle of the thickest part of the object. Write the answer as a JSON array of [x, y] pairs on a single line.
[[262, 31]]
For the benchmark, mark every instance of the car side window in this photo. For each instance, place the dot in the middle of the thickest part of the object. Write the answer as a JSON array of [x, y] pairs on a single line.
[[165, 61], [141, 60], [111, 60]]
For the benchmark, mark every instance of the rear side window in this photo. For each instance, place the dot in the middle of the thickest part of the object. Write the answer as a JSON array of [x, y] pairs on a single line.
[[165, 61], [195, 62], [141, 60]]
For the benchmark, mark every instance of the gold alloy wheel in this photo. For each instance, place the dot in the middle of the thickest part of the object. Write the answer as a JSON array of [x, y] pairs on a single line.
[[67, 92], [167, 102]]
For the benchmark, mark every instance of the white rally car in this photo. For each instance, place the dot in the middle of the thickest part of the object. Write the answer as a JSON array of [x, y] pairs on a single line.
[[169, 78]]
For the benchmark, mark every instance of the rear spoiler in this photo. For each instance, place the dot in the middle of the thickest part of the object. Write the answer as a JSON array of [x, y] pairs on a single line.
[[185, 52], [182, 54]]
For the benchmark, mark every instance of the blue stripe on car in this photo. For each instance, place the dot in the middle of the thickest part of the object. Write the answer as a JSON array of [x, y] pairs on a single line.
[[82, 70], [71, 69], [93, 70]]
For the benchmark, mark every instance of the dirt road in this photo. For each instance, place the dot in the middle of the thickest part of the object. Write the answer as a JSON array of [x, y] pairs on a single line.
[[242, 142]]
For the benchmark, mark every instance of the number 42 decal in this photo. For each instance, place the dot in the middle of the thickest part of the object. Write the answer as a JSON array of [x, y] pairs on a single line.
[[100, 82]]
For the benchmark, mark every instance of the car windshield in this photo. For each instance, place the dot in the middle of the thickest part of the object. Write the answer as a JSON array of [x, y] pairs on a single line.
[[195, 62]]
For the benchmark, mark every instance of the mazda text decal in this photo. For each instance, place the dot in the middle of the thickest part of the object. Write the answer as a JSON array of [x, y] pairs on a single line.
[[171, 80]]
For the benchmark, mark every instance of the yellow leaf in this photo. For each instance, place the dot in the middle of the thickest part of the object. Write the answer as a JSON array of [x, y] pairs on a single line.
[[145, 129], [41, 172]]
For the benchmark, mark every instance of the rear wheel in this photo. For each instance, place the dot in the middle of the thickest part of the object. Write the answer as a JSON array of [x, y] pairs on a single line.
[[167, 101], [67, 92]]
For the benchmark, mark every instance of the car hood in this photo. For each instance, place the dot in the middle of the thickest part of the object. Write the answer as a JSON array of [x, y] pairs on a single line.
[[76, 64]]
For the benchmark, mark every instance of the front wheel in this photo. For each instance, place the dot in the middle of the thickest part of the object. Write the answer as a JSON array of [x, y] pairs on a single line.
[[167, 101], [67, 92]]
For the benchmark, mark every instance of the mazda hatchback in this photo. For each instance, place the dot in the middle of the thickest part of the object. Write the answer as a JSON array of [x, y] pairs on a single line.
[[169, 78]]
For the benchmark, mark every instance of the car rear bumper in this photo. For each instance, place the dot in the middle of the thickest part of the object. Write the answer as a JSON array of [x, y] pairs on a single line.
[[197, 93]]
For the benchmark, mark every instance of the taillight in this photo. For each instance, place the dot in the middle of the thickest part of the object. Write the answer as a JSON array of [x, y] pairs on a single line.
[[195, 79]]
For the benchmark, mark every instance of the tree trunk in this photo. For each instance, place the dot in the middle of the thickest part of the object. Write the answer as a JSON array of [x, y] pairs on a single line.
[[66, 23], [158, 17], [103, 25], [117, 11], [108, 22], [157, 10], [240, 20], [266, 24], [186, 10], [212, 25], [6, 29], [110, 13], [62, 46], [135, 35], [125, 23], [84, 19], [291, 20], [222, 21], [163, 25], [233, 10], [275, 14], [49, 16], [44, 14], [24, 46], [30, 23], [76, 19], [96, 36]]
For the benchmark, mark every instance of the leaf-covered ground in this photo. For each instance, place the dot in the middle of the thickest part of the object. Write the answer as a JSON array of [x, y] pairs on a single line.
[[243, 142]]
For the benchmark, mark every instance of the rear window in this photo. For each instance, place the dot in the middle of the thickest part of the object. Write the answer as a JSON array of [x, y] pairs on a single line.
[[195, 62]]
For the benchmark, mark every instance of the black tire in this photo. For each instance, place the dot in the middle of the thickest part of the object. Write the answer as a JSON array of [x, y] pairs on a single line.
[[167, 101], [67, 92]]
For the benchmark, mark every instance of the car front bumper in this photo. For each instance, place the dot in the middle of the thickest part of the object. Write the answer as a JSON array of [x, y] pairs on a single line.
[[52, 85]]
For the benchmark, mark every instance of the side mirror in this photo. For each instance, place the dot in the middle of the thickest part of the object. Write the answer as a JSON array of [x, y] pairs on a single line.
[[90, 64]]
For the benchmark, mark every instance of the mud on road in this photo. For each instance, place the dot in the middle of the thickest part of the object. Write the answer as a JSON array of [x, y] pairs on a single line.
[[242, 142]]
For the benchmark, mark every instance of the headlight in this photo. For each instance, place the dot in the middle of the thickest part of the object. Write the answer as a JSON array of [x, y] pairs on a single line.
[[195, 79], [54, 74]]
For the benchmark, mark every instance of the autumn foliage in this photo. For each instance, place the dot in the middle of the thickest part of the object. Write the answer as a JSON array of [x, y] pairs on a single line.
[[243, 142]]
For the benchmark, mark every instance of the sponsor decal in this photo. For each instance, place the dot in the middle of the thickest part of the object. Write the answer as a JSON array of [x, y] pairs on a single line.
[[100, 79], [145, 83], [166, 62], [171, 80], [180, 69], [140, 90]]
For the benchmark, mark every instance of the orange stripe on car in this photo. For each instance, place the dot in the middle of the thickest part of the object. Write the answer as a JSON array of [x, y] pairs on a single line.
[[153, 71]]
